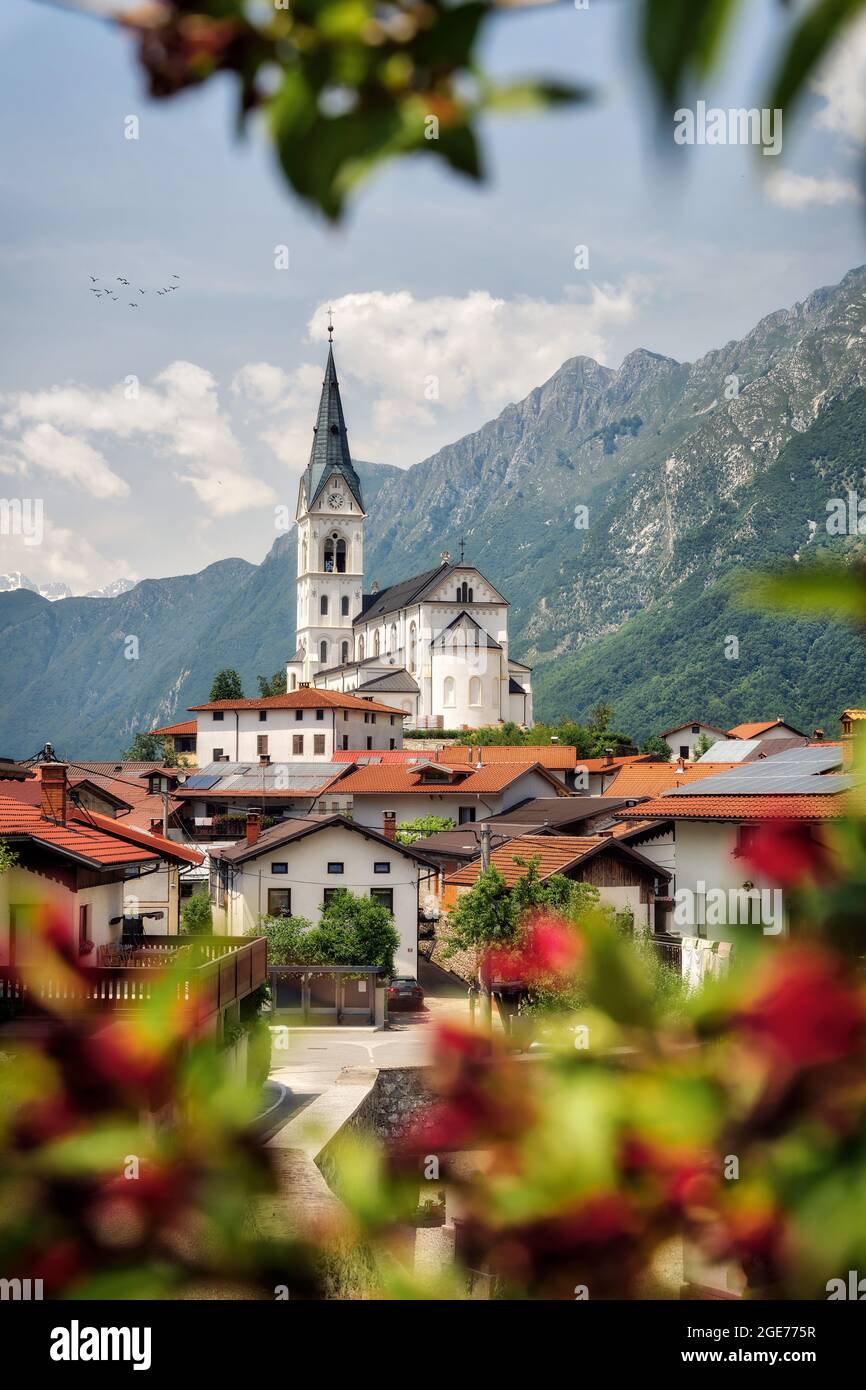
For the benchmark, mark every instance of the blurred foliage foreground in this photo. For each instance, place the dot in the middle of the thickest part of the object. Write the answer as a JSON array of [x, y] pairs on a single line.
[[128, 1166]]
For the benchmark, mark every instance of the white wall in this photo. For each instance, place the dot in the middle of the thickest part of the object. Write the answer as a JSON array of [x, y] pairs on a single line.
[[704, 855], [367, 808], [22, 887], [685, 738], [280, 727], [308, 877]]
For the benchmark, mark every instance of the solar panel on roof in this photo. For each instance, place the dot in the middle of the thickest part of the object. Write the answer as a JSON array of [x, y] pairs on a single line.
[[795, 773], [200, 783]]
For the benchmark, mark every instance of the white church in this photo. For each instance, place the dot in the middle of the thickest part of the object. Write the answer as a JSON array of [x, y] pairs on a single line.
[[435, 645]]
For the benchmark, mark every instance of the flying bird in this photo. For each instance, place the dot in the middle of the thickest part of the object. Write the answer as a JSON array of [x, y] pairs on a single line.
[[94, 278], [175, 277], [142, 291]]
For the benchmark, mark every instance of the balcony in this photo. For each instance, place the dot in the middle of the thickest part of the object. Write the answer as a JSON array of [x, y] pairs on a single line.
[[209, 973]]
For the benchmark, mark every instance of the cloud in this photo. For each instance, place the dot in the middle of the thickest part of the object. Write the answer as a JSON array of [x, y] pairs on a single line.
[[425, 371], [64, 556], [797, 191], [180, 414], [261, 382], [70, 458], [840, 85]]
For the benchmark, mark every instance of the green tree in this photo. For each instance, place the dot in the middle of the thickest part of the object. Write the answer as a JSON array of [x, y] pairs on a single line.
[[701, 747], [196, 918], [273, 685], [8, 858], [150, 748], [357, 931], [227, 685], [408, 831], [658, 746], [291, 940], [482, 917]]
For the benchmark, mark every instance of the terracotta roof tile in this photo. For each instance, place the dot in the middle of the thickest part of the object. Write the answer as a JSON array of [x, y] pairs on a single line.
[[761, 727], [554, 852], [391, 779], [74, 837], [651, 779], [741, 808], [188, 726], [306, 698]]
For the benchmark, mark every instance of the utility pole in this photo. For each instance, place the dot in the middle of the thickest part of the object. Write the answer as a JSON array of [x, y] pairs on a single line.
[[165, 815]]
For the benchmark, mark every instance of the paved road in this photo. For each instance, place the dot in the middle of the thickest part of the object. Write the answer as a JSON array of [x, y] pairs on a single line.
[[313, 1058]]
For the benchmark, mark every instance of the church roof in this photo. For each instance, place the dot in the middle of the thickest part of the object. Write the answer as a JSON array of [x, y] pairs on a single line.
[[441, 638], [402, 594], [399, 681], [330, 451]]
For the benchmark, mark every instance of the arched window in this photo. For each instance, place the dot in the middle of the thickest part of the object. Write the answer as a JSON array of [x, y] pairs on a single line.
[[344, 653], [344, 606], [413, 646], [376, 643], [469, 596], [475, 690], [334, 561], [294, 681], [464, 593], [323, 653], [392, 646], [304, 556], [449, 693], [494, 693], [323, 605], [360, 649]]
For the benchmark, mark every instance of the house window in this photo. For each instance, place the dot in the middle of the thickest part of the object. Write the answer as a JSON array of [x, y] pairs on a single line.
[[345, 740], [745, 839], [391, 719], [392, 647], [366, 717], [369, 743], [392, 743], [279, 902], [684, 750], [219, 716], [345, 716], [465, 815], [335, 866], [279, 868], [217, 754], [323, 605], [381, 866], [262, 745], [372, 718], [329, 893], [385, 896], [294, 681], [344, 606], [299, 714], [263, 715], [323, 653], [475, 690], [84, 930], [449, 692], [320, 714], [696, 728], [318, 743], [297, 744]]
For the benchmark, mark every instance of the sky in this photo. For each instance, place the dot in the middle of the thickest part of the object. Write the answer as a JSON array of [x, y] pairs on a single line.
[[161, 439]]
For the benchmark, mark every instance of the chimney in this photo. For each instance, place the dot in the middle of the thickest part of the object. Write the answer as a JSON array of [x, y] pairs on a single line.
[[254, 826], [608, 756], [818, 735], [264, 759], [54, 792], [680, 767], [156, 827], [389, 825]]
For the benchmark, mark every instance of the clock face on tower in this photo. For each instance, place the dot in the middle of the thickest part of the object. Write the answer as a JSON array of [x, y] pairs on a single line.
[[335, 500]]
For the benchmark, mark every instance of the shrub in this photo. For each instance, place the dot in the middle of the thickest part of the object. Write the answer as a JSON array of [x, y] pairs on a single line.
[[196, 918]]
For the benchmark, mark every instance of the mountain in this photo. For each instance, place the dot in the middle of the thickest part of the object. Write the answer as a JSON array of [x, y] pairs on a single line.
[[58, 590], [615, 509], [112, 590]]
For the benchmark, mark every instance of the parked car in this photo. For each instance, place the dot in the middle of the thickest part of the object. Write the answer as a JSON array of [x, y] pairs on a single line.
[[404, 992]]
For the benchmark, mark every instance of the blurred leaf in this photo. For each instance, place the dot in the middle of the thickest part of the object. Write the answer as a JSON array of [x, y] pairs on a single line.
[[816, 31], [681, 40], [837, 591]]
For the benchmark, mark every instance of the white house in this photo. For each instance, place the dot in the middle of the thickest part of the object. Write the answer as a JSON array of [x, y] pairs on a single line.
[[435, 644], [290, 869], [682, 740], [304, 725], [462, 794]]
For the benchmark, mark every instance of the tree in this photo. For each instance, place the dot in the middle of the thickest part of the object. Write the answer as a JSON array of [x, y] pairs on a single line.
[[275, 685], [8, 858], [358, 931], [483, 916], [291, 940], [226, 686], [701, 747], [408, 831], [150, 748], [196, 918], [658, 747]]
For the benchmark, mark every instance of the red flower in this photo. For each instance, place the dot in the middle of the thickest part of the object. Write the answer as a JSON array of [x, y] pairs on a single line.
[[805, 1011], [549, 947], [785, 852]]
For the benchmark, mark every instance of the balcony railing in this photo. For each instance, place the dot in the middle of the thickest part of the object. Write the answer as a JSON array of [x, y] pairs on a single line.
[[208, 974], [670, 949]]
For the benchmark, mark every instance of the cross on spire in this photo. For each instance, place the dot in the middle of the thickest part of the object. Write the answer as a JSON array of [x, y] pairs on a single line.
[[462, 549], [330, 325]]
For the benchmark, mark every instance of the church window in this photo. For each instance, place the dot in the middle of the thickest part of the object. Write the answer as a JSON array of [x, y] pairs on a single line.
[[304, 556], [360, 649], [344, 606], [450, 692], [393, 644], [323, 605], [344, 653], [376, 643], [413, 646], [469, 596], [464, 593], [294, 681], [475, 690], [323, 651], [335, 555]]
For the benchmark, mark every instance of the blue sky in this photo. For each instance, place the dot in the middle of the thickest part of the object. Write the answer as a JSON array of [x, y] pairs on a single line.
[[429, 276]]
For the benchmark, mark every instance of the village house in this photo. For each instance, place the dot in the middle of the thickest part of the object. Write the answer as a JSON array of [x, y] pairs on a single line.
[[291, 869], [765, 729], [463, 794], [683, 739], [182, 738], [307, 725]]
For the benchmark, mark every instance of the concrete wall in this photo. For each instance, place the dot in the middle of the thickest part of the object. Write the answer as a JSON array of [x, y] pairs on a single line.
[[281, 726], [22, 888]]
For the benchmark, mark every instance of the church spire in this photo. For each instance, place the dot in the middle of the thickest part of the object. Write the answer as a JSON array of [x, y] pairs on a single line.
[[330, 451]]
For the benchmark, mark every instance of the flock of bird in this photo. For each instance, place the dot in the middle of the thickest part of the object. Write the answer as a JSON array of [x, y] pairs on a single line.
[[106, 291]]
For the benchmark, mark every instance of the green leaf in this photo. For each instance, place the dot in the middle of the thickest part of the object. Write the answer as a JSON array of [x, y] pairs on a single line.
[[681, 39], [836, 591], [816, 31]]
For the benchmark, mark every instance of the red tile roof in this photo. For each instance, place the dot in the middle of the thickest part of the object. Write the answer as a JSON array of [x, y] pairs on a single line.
[[392, 780], [130, 834], [555, 853], [651, 779], [95, 846], [189, 726], [754, 730], [555, 755], [610, 764], [306, 698], [740, 808]]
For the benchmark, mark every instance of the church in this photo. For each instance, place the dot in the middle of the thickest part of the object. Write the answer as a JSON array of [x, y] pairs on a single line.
[[434, 645]]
